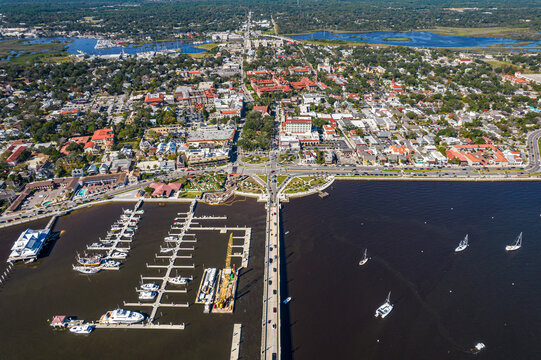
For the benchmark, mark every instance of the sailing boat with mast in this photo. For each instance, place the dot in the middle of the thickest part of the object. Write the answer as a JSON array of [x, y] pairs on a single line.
[[516, 245], [386, 308], [462, 245], [364, 260]]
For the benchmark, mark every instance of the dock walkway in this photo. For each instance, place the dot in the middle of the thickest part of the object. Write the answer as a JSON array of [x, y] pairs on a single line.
[[235, 343]]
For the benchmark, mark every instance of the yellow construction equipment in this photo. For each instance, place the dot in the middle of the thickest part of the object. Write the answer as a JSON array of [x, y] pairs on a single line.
[[229, 251]]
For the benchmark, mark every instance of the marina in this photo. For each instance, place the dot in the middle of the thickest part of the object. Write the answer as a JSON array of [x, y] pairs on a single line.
[[202, 336], [115, 245]]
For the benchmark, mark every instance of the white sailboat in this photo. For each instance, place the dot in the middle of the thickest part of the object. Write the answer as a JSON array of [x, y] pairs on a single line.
[[386, 308], [462, 245], [516, 245], [364, 260]]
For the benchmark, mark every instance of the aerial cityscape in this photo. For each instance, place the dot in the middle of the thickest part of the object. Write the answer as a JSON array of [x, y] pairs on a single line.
[[292, 179]]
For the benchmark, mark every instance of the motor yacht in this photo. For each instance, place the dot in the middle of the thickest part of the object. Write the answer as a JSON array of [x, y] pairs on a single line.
[[82, 329], [147, 295], [120, 316]]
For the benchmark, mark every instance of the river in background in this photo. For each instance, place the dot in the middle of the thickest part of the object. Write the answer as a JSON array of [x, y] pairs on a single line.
[[87, 46], [444, 303], [49, 287], [415, 39]]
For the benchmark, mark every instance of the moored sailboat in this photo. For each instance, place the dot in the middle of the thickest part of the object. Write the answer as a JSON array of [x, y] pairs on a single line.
[[462, 245], [364, 260], [386, 308], [516, 245]]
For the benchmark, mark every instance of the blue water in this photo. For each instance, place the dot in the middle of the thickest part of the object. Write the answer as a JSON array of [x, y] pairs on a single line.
[[87, 45], [418, 39]]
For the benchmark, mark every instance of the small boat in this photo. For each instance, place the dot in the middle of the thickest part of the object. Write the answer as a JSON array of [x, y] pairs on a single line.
[[516, 245], [287, 232], [86, 269], [82, 329], [478, 347], [95, 245], [149, 287], [94, 260], [179, 280], [386, 308], [287, 300], [147, 295], [119, 255], [170, 238], [110, 264], [462, 245], [120, 316], [166, 250], [364, 260]]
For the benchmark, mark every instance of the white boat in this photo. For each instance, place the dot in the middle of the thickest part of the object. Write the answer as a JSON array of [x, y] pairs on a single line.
[[119, 255], [516, 245], [364, 260], [147, 295], [86, 269], [82, 329], [149, 287], [286, 301], [170, 238], [386, 308], [110, 264], [179, 280], [120, 316], [166, 250], [462, 245], [478, 347]]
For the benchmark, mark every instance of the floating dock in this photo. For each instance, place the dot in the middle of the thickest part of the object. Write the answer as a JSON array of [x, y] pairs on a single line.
[[235, 342]]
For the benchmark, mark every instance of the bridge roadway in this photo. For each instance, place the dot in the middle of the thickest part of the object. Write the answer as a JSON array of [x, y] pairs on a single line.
[[270, 335]]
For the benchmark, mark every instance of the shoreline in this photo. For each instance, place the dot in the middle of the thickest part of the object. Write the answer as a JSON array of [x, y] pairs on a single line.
[[261, 197]]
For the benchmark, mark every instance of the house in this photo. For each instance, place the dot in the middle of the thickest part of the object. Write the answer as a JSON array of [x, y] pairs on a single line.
[[104, 168], [13, 159], [92, 170], [77, 173]]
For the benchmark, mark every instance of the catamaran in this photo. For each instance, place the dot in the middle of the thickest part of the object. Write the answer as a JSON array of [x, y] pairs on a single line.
[[516, 245], [364, 260], [462, 245], [386, 308]]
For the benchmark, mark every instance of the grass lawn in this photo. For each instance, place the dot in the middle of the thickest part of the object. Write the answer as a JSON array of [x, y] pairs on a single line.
[[280, 179], [189, 195]]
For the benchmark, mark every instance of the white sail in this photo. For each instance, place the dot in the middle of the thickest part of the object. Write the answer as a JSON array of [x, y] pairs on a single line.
[[516, 245]]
